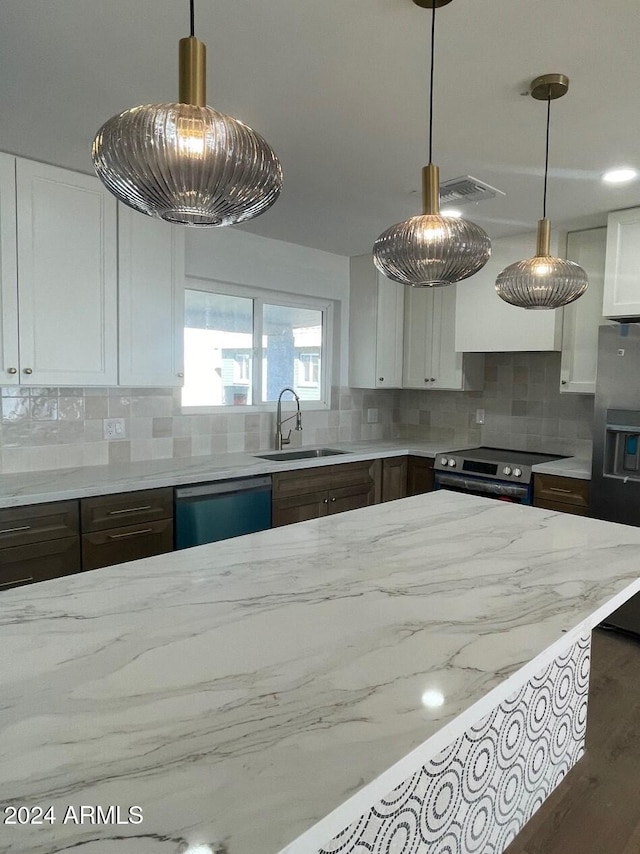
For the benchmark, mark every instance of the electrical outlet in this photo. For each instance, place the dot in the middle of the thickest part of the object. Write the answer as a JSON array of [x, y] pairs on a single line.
[[114, 428], [479, 416], [372, 416]]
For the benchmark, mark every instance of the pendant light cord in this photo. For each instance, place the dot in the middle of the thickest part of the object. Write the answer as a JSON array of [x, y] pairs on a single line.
[[546, 161], [192, 18], [433, 44]]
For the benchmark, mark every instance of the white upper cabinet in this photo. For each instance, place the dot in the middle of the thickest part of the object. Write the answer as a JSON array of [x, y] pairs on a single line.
[[430, 358], [150, 300], [487, 324], [67, 278], [622, 272], [376, 312], [8, 273], [583, 317]]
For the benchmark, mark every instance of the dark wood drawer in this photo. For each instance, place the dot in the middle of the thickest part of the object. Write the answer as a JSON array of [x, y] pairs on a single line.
[[119, 545], [299, 508], [39, 562], [125, 508], [567, 490], [351, 497], [303, 481], [38, 523], [574, 509]]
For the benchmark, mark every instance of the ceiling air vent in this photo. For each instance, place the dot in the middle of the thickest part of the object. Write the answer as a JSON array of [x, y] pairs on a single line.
[[466, 189]]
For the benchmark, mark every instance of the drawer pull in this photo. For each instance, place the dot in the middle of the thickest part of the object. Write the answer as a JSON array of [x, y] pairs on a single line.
[[15, 530], [559, 489], [16, 582], [333, 499], [129, 510], [131, 534]]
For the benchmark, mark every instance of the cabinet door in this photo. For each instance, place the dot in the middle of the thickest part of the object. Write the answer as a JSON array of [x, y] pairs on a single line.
[[446, 363], [419, 475], [351, 497], [120, 545], [150, 300], [389, 329], [39, 562], [622, 274], [418, 338], [8, 272], [298, 508], [583, 317], [487, 324], [67, 277], [394, 478]]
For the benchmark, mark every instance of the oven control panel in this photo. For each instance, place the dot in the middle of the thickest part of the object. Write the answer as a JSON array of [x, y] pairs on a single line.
[[483, 468]]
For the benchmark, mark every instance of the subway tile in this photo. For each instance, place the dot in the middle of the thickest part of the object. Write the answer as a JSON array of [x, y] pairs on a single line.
[[71, 408], [96, 407], [182, 447], [16, 408], [44, 408], [119, 406], [161, 427], [95, 453], [119, 452]]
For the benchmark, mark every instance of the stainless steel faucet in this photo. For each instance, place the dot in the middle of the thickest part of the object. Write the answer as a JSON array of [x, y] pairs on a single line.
[[280, 439]]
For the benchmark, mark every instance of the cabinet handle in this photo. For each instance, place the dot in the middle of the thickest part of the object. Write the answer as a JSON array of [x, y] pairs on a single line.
[[181, 374], [380, 379], [16, 582], [426, 379], [325, 500], [128, 510], [15, 530], [28, 370], [559, 489], [433, 379], [12, 370], [333, 499], [563, 382], [130, 534]]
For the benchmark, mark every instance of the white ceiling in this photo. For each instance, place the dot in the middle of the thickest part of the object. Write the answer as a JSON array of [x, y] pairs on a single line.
[[339, 89]]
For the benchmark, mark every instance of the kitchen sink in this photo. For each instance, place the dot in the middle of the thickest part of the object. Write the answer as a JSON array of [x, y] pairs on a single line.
[[309, 454]]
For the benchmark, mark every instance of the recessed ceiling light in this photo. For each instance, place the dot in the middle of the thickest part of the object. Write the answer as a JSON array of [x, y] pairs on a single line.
[[454, 212], [619, 176]]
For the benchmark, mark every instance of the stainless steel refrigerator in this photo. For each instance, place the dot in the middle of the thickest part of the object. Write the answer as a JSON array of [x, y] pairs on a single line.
[[615, 477]]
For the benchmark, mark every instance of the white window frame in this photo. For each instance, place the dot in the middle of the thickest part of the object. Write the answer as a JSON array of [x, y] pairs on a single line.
[[260, 296]]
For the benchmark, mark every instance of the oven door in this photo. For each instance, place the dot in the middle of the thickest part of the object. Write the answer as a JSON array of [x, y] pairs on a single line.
[[515, 493]]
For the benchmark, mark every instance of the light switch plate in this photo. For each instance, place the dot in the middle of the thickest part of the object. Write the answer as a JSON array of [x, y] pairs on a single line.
[[114, 428], [372, 416], [479, 416]]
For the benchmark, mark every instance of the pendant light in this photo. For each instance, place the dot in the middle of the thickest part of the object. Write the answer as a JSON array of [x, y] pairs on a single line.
[[543, 282], [184, 162], [431, 250]]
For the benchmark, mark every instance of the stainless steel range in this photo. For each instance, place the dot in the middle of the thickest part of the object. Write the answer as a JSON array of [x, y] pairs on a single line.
[[492, 472]]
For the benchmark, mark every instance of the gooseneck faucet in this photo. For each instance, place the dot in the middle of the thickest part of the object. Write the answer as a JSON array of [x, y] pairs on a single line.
[[280, 439]]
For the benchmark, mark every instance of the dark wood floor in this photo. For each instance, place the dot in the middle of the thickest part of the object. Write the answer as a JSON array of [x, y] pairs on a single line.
[[596, 809]]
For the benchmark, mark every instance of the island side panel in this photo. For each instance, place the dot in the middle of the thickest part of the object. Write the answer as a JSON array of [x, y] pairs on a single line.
[[479, 792]]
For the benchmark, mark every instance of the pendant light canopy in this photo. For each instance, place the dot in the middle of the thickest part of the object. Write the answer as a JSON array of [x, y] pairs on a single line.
[[543, 282], [184, 162], [431, 250]]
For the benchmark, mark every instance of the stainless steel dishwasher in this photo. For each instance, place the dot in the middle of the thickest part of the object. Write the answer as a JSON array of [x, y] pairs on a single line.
[[220, 510]]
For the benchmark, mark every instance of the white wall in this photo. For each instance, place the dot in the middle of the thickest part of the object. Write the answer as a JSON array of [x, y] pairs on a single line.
[[231, 255]]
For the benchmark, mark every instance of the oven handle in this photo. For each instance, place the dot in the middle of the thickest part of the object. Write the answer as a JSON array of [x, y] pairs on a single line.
[[461, 482]]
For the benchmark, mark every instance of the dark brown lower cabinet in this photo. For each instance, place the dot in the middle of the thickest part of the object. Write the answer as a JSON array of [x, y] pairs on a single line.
[[564, 494], [419, 475], [39, 562], [320, 491], [127, 526], [394, 478], [106, 548]]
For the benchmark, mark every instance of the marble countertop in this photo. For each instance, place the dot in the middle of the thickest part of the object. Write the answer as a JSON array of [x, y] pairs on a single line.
[[258, 691], [577, 467], [62, 484]]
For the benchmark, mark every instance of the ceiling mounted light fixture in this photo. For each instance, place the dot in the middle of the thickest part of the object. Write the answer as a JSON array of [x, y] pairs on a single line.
[[543, 282], [185, 162], [431, 250]]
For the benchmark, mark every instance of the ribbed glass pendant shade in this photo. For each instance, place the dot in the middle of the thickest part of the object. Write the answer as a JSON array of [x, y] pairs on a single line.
[[431, 250], [542, 282], [187, 164]]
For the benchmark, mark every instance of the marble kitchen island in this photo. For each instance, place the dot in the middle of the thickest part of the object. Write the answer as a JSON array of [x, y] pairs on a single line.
[[263, 694]]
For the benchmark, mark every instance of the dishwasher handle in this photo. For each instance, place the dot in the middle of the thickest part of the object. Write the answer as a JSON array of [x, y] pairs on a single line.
[[224, 487]]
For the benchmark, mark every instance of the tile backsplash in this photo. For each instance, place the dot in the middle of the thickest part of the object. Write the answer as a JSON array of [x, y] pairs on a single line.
[[52, 428]]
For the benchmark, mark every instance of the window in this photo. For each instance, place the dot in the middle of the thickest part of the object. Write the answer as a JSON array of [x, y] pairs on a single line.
[[242, 348]]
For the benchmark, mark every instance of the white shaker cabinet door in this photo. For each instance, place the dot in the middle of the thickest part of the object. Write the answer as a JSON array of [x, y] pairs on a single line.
[[389, 333], [583, 317], [9, 365], [67, 268], [150, 300], [446, 362], [418, 338], [622, 274]]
